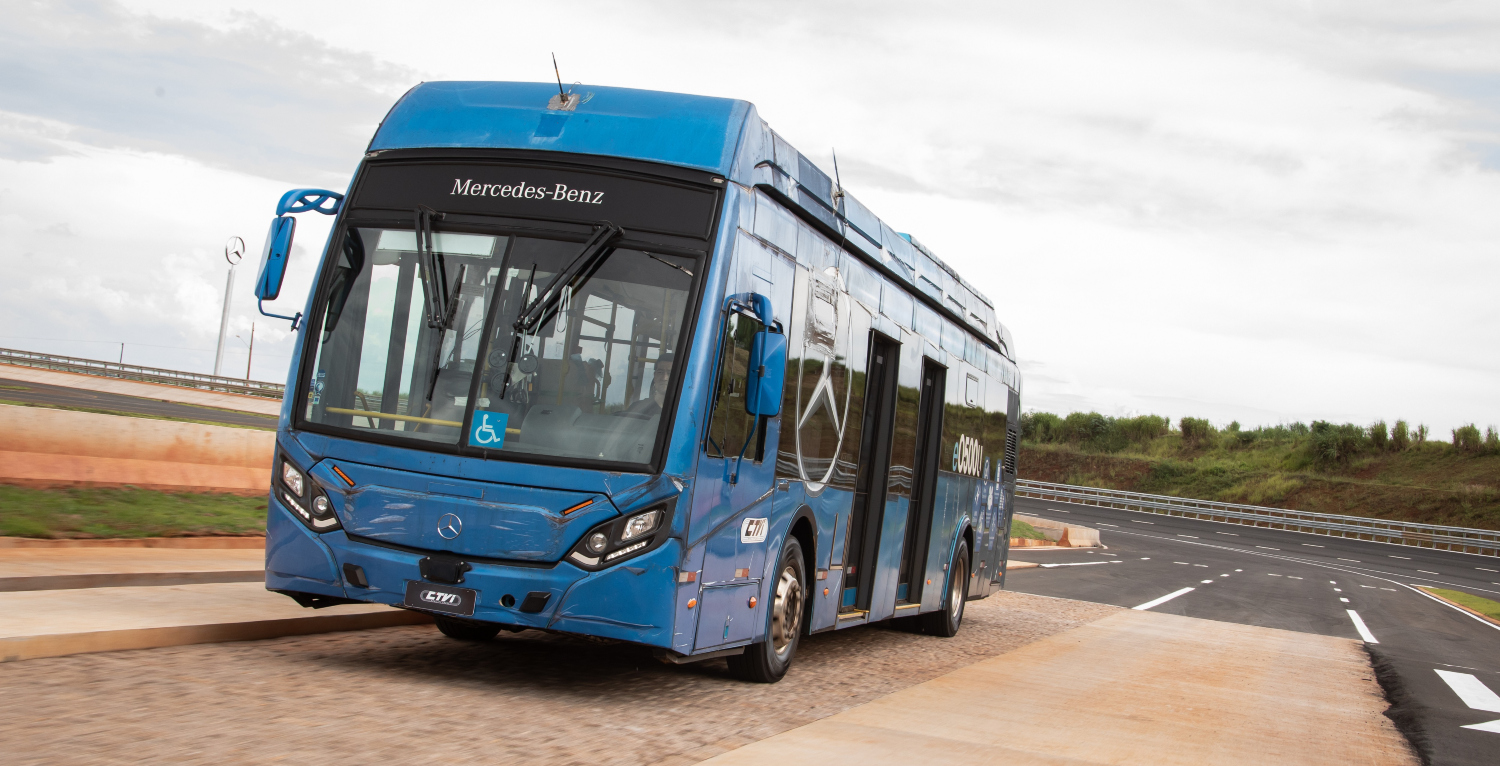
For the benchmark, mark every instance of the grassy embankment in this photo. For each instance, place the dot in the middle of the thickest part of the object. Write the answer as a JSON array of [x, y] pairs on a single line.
[[1394, 473], [129, 512]]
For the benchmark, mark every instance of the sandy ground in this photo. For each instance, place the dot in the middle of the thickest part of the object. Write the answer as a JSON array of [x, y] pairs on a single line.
[[411, 695]]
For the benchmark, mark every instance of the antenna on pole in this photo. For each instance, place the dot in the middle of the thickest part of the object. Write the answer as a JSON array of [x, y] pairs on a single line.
[[838, 193], [563, 97]]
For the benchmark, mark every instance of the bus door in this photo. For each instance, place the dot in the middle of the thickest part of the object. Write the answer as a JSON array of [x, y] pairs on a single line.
[[862, 544], [736, 479], [924, 483]]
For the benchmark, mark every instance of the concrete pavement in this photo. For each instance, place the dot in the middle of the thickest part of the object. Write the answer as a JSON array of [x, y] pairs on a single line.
[[1132, 688]]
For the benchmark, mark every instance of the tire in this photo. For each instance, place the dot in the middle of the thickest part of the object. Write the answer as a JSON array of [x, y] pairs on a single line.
[[945, 622], [466, 630], [767, 661]]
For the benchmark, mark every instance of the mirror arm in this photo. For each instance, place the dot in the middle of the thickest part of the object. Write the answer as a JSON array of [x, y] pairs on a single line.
[[297, 319]]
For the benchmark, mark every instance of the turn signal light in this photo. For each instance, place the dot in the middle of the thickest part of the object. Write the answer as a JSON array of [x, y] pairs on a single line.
[[692, 602]]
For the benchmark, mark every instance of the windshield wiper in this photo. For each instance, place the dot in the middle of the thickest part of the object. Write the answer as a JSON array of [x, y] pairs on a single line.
[[570, 280], [442, 304]]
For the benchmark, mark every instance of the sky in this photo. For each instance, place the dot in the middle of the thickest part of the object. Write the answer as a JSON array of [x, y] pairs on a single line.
[[1266, 211]]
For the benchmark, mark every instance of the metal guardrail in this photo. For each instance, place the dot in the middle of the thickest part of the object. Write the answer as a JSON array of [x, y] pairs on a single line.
[[145, 374], [1483, 542]]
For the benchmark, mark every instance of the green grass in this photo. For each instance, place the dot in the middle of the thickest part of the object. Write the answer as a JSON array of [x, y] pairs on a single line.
[[1484, 606], [270, 424], [1024, 531], [128, 512]]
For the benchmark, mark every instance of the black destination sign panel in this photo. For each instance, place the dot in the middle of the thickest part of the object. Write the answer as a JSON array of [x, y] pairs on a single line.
[[524, 191]]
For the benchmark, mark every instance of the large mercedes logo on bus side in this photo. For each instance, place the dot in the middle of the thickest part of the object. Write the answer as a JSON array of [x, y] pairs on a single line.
[[450, 526]]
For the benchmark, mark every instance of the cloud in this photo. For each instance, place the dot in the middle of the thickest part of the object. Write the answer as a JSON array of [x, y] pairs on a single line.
[[254, 97]]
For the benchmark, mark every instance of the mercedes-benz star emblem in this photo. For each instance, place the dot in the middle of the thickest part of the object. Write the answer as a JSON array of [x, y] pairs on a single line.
[[450, 526]]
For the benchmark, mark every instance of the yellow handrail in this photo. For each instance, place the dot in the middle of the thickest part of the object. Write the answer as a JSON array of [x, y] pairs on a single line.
[[407, 418]]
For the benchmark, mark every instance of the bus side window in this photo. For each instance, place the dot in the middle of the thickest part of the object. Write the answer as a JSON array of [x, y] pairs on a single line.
[[730, 425]]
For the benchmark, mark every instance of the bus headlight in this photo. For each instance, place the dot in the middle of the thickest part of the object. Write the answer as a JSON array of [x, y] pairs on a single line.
[[292, 478], [621, 538], [640, 524]]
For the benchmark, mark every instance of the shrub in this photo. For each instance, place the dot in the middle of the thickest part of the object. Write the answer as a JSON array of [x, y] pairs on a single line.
[[1467, 439], [1195, 430], [1420, 437], [1378, 435], [1400, 437], [1331, 445], [1039, 426], [1142, 430], [1491, 440]]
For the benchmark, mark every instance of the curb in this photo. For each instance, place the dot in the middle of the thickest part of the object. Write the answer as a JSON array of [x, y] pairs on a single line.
[[1452, 603], [80, 581], [61, 645], [225, 542]]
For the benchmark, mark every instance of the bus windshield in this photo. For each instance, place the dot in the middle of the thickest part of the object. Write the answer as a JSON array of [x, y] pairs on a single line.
[[589, 384]]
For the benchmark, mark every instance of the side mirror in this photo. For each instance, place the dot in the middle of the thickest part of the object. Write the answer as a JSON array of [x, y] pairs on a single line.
[[767, 371], [273, 260]]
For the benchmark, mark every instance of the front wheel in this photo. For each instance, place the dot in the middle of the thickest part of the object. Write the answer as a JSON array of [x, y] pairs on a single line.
[[945, 623], [767, 661]]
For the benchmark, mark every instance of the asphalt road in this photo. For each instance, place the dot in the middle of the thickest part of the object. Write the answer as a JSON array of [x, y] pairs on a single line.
[[60, 396], [1306, 583]]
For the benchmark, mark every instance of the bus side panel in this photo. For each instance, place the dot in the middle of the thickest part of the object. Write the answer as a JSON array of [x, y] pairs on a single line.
[[295, 558]]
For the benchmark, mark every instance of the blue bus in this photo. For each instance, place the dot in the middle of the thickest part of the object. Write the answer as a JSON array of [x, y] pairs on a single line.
[[625, 364]]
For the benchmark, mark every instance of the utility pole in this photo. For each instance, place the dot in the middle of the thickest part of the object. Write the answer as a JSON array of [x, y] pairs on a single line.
[[234, 250], [251, 358]]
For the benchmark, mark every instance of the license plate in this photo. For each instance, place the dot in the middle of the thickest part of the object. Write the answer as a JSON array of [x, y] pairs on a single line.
[[439, 598]]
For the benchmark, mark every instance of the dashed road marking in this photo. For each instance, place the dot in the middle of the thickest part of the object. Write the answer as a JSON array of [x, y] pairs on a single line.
[[1205, 566], [1371, 587], [1333, 582], [1345, 600], [1482, 569], [1354, 560], [1108, 525], [1058, 510], [1078, 564], [1145, 558], [1273, 574], [1195, 537], [1138, 521], [1310, 545], [1408, 558], [1359, 625], [1231, 534], [1206, 582], [1338, 590], [1184, 563], [1423, 571], [1162, 600], [1290, 577], [1264, 548]]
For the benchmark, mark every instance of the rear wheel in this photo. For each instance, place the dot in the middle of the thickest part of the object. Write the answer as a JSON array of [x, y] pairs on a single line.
[[945, 622], [767, 661], [466, 630]]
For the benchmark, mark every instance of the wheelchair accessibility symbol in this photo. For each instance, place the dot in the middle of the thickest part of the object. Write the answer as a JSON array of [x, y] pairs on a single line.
[[488, 429]]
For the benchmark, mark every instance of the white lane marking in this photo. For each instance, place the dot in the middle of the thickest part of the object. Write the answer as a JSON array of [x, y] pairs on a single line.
[[1359, 625], [1273, 574], [1338, 590], [1184, 563], [1474, 694], [1292, 577], [1423, 571], [1239, 570], [1223, 575], [1079, 564], [1393, 590], [1371, 587], [1195, 537], [1138, 521], [1205, 566], [1310, 545], [1482, 569], [1108, 525], [1058, 510], [1231, 534], [1408, 558], [1354, 560], [1264, 548], [1107, 554], [1206, 582], [1145, 558], [1345, 600], [1162, 600], [1464, 612], [1333, 582]]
